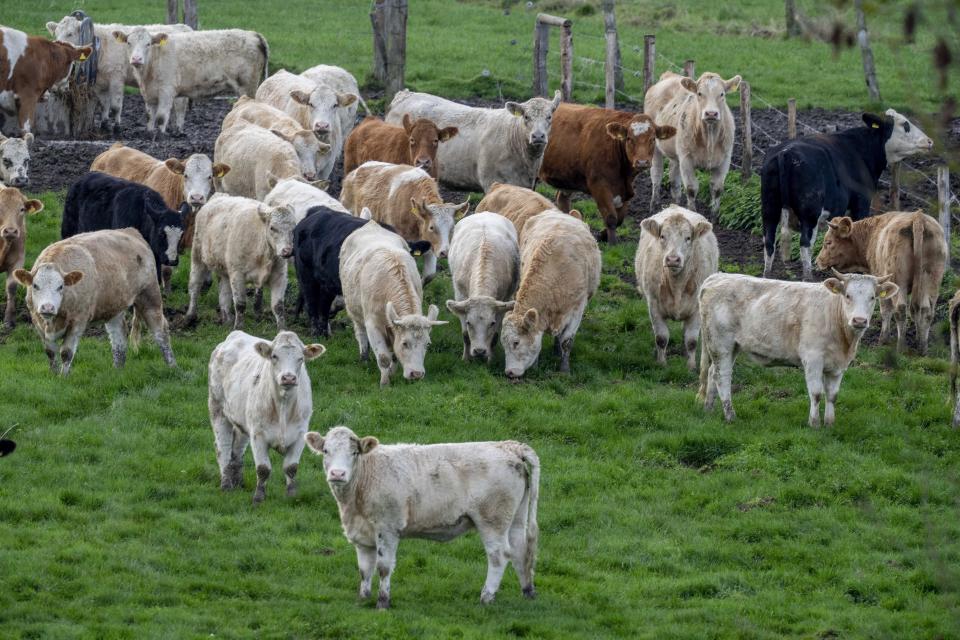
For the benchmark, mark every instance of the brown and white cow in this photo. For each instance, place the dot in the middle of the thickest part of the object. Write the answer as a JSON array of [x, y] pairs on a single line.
[[908, 246], [705, 132], [415, 143], [14, 208], [600, 152], [29, 66], [517, 204]]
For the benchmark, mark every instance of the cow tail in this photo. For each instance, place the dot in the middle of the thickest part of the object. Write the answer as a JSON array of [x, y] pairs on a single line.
[[529, 456], [363, 104], [954, 345], [785, 234], [134, 338], [265, 50], [917, 293]]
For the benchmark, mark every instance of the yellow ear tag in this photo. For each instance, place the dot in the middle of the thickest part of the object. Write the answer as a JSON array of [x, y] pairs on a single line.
[[875, 125], [417, 252], [163, 42], [83, 57], [883, 294]]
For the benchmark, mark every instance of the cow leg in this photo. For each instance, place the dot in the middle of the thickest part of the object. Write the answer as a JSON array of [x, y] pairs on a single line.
[[520, 556], [386, 560], [723, 375], [806, 258], [381, 350], [166, 274], [197, 275], [164, 107], [496, 544], [27, 107], [429, 266], [291, 462], [278, 289], [563, 200], [225, 300], [261, 459], [223, 439], [149, 306], [240, 442], [607, 206], [50, 348], [832, 383], [661, 332], [922, 315], [813, 372], [180, 113], [886, 313], [656, 177], [567, 335], [118, 339], [238, 286], [900, 316], [710, 397], [717, 179], [68, 349], [688, 174], [691, 331], [363, 342], [367, 562], [115, 94], [10, 313]]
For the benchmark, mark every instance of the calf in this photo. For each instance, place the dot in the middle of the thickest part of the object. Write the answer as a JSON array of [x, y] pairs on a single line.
[[260, 391], [600, 152], [676, 253], [343, 82], [908, 246], [484, 267], [98, 201], [492, 145], [14, 208], [705, 133], [241, 240], [383, 296], [439, 492], [15, 160], [406, 198], [94, 277], [816, 326], [302, 197], [259, 158], [517, 204], [414, 143], [557, 253], [807, 181]]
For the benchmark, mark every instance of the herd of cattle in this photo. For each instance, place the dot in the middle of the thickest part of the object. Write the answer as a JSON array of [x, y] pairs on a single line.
[[521, 265]]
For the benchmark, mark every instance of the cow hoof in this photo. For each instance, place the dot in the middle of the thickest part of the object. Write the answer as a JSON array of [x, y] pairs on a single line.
[[259, 496], [363, 594], [292, 491], [383, 602], [486, 597], [529, 593]]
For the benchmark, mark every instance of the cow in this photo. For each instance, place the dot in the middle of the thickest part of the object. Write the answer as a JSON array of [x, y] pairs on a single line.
[[954, 313], [14, 208], [241, 240], [341, 81], [29, 67], [259, 158], [113, 65], [316, 106], [910, 247], [388, 492], [99, 201], [407, 199], [518, 204], [193, 64], [7, 447], [705, 133], [260, 392], [414, 143], [807, 181], [484, 268], [492, 145], [94, 277], [812, 325], [600, 152], [302, 197], [676, 253], [15, 160], [557, 253], [383, 297]]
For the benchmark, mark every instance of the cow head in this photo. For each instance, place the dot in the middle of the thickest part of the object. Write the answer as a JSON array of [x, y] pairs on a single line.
[[15, 160], [858, 293], [710, 91], [425, 139], [676, 237], [14, 208], [46, 287], [167, 228], [411, 337], [436, 222], [324, 104], [287, 356], [639, 138], [521, 336], [309, 150], [480, 317], [840, 250], [341, 449], [902, 138], [140, 45], [279, 223], [67, 30], [198, 172], [536, 115]]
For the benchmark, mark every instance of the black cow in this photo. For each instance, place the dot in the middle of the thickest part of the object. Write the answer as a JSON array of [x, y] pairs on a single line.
[[7, 447], [99, 201], [807, 181], [317, 240]]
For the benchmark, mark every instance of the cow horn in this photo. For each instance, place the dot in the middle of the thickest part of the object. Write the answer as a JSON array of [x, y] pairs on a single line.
[[885, 278], [842, 276]]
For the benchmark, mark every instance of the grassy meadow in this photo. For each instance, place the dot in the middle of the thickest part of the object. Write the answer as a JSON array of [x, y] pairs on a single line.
[[656, 520]]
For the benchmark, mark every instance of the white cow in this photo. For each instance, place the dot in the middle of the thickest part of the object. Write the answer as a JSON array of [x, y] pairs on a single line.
[[15, 160], [438, 492], [812, 325], [341, 81], [260, 391], [301, 196]]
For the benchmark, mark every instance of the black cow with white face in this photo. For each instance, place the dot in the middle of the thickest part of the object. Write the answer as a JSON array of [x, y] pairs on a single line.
[[807, 181]]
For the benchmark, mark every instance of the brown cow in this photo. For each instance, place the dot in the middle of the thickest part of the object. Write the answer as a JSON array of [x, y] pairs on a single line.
[[30, 65], [13, 236], [600, 152], [415, 143], [517, 204], [907, 246]]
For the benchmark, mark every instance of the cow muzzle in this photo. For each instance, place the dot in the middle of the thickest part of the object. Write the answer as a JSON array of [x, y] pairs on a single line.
[[10, 233], [442, 253], [641, 164], [47, 311], [19, 181], [424, 163], [136, 62], [478, 352], [674, 263], [288, 380], [538, 139], [415, 375], [309, 175], [286, 252], [196, 200], [514, 374], [711, 116], [859, 322], [337, 476]]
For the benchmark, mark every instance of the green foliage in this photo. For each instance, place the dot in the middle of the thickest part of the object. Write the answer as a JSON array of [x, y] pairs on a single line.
[[740, 204]]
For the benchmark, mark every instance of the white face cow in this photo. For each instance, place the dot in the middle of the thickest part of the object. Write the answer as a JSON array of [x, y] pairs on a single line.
[[537, 114], [198, 172], [711, 90], [287, 356], [859, 295], [521, 337], [140, 44], [280, 222], [67, 30], [324, 104], [411, 337], [309, 150], [15, 160], [905, 140], [480, 317], [340, 449], [46, 288], [676, 236], [437, 221], [14, 208]]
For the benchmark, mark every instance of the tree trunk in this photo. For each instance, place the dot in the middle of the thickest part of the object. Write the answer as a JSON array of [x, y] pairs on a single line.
[[173, 11], [190, 14]]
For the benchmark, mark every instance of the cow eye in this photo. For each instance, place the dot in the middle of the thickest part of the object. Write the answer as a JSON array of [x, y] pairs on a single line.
[[906, 127], [324, 451], [36, 288], [412, 142], [60, 288], [274, 358], [722, 94], [699, 95], [688, 238], [274, 229], [516, 344], [493, 322], [7, 163], [405, 345]]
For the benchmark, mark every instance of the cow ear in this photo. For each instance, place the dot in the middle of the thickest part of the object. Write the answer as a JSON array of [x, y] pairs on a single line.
[[313, 351], [300, 97], [557, 97], [367, 444], [28, 138], [419, 209], [366, 214], [503, 307], [688, 84], [407, 123], [264, 212], [732, 84], [23, 276], [530, 319], [33, 206], [120, 36], [887, 290], [314, 442], [432, 314], [651, 226], [392, 316], [616, 130], [175, 165], [843, 226], [72, 278], [665, 132], [52, 28], [447, 132], [457, 308], [346, 99], [834, 285], [514, 109], [872, 120], [461, 210], [220, 169], [264, 349], [576, 214], [160, 39], [281, 135], [702, 228], [84, 53]]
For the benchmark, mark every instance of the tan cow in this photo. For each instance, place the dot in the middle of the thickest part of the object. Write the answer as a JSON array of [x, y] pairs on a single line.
[[676, 253], [517, 204], [407, 199], [14, 208], [415, 143], [559, 273], [908, 246], [705, 133]]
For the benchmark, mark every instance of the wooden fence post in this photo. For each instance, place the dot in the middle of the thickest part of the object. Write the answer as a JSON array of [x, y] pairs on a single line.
[[377, 21], [895, 186], [541, 45], [792, 118], [389, 21], [793, 26], [943, 195], [173, 11], [610, 75], [610, 25], [190, 14], [566, 61], [690, 69], [863, 37], [649, 61], [746, 130]]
